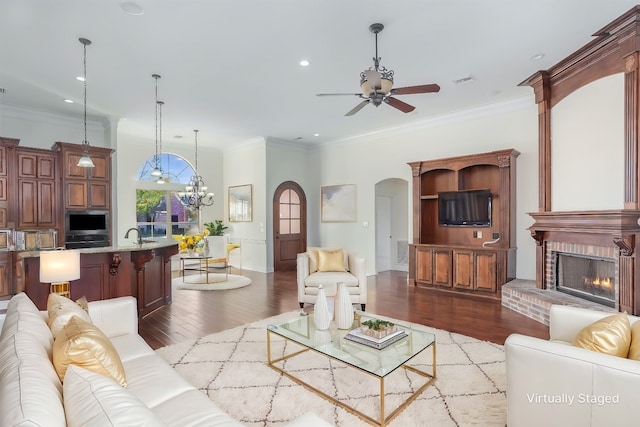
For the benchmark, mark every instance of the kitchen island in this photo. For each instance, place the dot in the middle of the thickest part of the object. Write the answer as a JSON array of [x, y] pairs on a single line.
[[142, 271]]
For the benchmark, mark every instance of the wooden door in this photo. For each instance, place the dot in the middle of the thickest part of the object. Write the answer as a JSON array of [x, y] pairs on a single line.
[[424, 265], [289, 225]]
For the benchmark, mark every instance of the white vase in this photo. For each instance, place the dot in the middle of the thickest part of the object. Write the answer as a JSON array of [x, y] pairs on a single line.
[[344, 308], [321, 311]]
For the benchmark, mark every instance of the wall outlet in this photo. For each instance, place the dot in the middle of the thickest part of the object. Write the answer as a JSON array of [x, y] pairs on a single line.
[[479, 234], [495, 236]]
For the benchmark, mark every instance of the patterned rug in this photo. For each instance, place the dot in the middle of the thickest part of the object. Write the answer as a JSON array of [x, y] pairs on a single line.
[[216, 282], [230, 367]]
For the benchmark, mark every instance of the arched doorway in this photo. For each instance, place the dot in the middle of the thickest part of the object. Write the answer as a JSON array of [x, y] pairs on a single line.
[[289, 225]]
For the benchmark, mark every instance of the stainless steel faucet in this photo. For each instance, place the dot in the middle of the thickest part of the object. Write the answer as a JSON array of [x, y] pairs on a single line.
[[126, 236]]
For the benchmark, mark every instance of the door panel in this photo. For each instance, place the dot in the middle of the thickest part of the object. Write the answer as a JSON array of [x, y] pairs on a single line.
[[289, 225]]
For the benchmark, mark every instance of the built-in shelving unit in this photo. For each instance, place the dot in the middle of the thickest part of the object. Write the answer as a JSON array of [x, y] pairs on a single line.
[[470, 259]]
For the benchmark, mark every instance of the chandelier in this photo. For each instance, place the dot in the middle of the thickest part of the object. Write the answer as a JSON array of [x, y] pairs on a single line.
[[195, 193], [156, 173], [85, 161]]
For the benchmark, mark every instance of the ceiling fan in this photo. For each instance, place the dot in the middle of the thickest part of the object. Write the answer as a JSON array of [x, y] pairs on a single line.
[[376, 84]]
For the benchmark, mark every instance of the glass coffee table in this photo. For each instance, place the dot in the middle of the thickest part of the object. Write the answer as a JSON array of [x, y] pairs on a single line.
[[332, 343]]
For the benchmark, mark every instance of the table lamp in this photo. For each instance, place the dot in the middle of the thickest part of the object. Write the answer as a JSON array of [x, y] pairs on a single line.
[[58, 267]]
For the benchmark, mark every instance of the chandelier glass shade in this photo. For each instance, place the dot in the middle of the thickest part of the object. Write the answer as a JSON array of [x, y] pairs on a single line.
[[85, 161], [195, 194]]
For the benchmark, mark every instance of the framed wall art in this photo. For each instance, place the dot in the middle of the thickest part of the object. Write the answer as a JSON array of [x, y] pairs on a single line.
[[338, 203], [240, 204]]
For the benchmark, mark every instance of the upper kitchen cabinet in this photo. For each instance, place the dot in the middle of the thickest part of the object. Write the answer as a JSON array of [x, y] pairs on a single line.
[[85, 188]]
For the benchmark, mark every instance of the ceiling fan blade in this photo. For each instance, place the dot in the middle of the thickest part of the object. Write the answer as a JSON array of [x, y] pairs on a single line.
[[338, 94], [402, 106], [358, 107], [408, 90], [373, 78]]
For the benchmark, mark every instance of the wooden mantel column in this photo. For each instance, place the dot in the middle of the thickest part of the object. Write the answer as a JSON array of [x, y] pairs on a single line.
[[631, 132]]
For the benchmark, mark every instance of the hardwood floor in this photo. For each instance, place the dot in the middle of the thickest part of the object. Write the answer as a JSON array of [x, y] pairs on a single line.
[[197, 313]]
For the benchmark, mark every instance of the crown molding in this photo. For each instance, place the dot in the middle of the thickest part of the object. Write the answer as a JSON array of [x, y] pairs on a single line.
[[22, 113], [466, 115]]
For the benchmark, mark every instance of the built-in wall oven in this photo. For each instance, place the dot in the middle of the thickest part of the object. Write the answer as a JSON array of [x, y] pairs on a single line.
[[87, 229]]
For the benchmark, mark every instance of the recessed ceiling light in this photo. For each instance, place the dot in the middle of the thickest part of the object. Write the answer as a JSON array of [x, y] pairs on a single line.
[[132, 8], [537, 56], [304, 63], [316, 134], [69, 101], [80, 78]]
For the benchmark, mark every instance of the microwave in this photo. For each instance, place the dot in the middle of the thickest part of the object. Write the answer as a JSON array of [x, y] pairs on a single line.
[[86, 229]]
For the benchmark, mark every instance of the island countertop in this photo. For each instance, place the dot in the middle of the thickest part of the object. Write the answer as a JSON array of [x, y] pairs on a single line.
[[143, 272], [160, 243]]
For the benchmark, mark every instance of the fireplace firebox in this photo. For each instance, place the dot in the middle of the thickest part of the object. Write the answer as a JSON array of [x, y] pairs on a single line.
[[587, 277]]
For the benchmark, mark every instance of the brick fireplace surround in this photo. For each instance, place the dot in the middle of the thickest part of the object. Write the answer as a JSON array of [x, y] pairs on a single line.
[[605, 234]]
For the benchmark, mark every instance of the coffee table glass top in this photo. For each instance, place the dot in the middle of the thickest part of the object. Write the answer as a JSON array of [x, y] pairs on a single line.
[[301, 330]]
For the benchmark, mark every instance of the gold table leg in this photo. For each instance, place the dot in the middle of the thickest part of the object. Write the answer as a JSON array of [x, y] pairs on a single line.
[[383, 421]]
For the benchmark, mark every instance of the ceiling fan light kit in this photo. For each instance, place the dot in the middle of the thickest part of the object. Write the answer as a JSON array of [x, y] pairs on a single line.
[[376, 85]]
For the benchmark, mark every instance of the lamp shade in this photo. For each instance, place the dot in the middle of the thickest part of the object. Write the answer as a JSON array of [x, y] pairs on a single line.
[[59, 266]]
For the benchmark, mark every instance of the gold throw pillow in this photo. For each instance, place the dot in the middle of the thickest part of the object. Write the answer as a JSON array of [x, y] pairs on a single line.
[[609, 335], [634, 348], [60, 310], [331, 260], [313, 260], [83, 344]]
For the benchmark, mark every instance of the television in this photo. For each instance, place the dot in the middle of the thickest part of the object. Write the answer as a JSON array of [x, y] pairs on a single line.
[[469, 208]]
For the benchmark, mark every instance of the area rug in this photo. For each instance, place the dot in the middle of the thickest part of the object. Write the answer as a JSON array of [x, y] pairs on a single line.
[[230, 367], [217, 282]]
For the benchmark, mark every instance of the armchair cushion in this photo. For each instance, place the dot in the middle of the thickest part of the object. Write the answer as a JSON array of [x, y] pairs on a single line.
[[331, 260]]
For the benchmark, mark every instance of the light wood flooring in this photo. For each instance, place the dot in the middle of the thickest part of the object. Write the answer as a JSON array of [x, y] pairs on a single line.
[[193, 314]]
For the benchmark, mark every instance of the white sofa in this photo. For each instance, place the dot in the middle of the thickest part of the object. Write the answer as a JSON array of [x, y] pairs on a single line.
[[309, 280], [552, 383], [31, 393]]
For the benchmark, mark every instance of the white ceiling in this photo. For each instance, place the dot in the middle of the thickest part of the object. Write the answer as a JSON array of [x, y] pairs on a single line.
[[230, 68]]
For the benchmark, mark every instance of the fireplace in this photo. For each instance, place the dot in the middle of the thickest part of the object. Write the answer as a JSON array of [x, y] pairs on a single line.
[[586, 277], [590, 236]]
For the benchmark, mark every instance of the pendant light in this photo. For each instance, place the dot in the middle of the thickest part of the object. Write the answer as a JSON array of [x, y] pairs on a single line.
[[156, 173], [195, 194], [161, 179], [85, 161]]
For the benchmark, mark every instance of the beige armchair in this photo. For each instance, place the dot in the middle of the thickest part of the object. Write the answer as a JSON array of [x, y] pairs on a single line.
[[315, 268]]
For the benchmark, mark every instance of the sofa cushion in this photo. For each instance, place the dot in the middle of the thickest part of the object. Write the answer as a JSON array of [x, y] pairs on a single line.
[[83, 344], [60, 310], [193, 408], [30, 390], [609, 335], [23, 315], [92, 399], [329, 280], [330, 260]]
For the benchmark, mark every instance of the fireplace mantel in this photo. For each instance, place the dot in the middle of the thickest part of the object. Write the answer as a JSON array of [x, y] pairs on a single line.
[[611, 228], [607, 221]]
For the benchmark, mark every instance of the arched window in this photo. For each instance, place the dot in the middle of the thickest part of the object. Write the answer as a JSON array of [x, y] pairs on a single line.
[[159, 212]]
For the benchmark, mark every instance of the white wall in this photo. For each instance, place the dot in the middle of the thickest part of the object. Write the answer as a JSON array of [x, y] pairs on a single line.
[[587, 147], [368, 160], [41, 129], [246, 164]]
